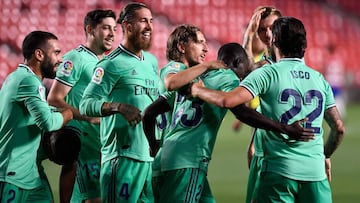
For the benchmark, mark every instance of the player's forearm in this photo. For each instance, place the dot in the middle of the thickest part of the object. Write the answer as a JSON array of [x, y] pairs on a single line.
[[67, 116], [62, 105], [184, 77], [337, 131], [158, 107], [256, 119], [91, 106], [247, 44], [211, 96], [109, 108]]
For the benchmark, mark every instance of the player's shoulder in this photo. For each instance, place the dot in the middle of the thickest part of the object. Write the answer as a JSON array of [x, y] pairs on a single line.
[[172, 67], [22, 76], [28, 78], [149, 55], [151, 58], [220, 78], [80, 54]]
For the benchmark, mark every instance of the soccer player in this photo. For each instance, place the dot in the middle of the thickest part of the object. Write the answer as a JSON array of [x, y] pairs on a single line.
[[259, 26], [24, 114], [292, 171], [73, 76], [124, 83], [189, 54], [188, 143]]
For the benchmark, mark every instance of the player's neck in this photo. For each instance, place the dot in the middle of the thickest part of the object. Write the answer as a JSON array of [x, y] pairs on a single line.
[[96, 50], [34, 66], [130, 47]]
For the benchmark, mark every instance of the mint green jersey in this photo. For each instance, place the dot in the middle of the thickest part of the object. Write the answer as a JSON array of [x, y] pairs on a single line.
[[122, 77], [194, 126], [258, 134], [76, 71], [24, 113], [289, 91]]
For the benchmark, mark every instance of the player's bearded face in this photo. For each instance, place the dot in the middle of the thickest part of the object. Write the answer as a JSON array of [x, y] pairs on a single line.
[[48, 68], [141, 38], [141, 29]]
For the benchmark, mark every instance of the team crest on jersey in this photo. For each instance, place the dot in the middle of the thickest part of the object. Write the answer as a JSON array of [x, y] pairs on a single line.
[[42, 92], [67, 67], [175, 65], [98, 75]]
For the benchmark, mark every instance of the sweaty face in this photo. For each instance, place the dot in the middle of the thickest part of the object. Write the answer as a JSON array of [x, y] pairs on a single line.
[[104, 34], [196, 50], [52, 59], [264, 30], [140, 29]]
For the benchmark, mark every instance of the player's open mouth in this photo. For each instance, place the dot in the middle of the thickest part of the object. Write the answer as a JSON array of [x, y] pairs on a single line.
[[146, 35], [109, 41]]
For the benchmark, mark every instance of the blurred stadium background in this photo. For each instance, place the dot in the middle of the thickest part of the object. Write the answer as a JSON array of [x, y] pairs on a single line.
[[333, 23], [329, 23]]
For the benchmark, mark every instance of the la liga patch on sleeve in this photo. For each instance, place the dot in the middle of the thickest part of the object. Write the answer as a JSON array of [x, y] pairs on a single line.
[[98, 75], [67, 67]]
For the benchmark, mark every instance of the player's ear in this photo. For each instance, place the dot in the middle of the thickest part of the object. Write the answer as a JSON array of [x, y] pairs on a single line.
[[88, 29], [39, 54], [127, 25], [181, 48]]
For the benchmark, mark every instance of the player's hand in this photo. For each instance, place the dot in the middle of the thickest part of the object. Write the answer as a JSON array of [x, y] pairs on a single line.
[[130, 113], [215, 64], [328, 168], [255, 21], [295, 131], [196, 87]]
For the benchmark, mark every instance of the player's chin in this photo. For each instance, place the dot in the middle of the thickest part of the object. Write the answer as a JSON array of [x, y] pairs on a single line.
[[201, 60], [108, 45]]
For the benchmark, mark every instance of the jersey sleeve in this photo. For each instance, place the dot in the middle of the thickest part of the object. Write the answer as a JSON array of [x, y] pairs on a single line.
[[100, 86], [170, 68], [258, 81], [32, 93], [69, 71], [329, 97], [222, 79]]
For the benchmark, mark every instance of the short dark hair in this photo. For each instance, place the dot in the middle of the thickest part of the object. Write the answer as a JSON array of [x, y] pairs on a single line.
[[181, 34], [128, 12], [235, 57], [35, 40], [94, 17], [289, 35]]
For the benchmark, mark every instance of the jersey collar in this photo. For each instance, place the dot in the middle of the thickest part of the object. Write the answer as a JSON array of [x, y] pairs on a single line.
[[293, 59], [88, 50], [21, 65], [132, 54]]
